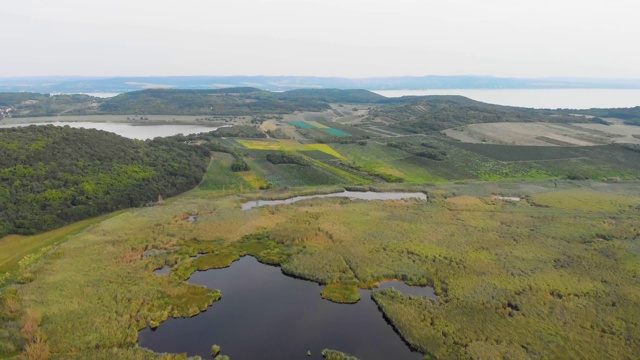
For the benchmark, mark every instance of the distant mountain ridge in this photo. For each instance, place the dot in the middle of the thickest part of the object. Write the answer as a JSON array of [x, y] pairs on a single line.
[[72, 84]]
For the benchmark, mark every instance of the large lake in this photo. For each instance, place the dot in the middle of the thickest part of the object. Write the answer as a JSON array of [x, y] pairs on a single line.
[[264, 314], [538, 98], [131, 131]]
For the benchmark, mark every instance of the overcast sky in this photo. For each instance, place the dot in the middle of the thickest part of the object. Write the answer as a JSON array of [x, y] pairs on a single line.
[[347, 38]]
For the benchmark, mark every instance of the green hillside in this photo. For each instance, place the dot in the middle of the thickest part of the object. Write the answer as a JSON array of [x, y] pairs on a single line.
[[51, 176]]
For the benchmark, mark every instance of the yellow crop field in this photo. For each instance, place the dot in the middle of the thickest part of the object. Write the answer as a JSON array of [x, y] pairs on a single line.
[[327, 150], [283, 145], [253, 179], [317, 125]]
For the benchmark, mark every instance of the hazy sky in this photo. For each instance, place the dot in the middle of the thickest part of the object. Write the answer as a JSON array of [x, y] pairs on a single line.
[[347, 38]]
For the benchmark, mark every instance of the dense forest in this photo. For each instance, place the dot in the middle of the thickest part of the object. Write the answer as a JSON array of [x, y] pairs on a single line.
[[51, 176]]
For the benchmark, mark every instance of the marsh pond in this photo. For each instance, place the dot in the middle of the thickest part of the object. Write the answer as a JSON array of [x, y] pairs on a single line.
[[264, 314]]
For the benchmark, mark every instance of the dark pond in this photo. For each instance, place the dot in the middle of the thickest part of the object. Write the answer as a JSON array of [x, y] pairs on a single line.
[[264, 314], [363, 195]]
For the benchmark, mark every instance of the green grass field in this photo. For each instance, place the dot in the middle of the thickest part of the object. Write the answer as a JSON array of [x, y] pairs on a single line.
[[288, 175], [220, 177], [17, 249]]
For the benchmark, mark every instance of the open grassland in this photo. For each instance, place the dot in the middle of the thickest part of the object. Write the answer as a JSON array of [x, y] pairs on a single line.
[[20, 251], [539, 278], [623, 133], [544, 134]]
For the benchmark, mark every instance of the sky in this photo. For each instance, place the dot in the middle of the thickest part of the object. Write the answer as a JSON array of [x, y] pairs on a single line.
[[341, 38]]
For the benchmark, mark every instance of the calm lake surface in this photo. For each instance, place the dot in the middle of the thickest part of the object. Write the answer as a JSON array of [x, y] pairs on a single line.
[[131, 131], [538, 98], [363, 195], [264, 314]]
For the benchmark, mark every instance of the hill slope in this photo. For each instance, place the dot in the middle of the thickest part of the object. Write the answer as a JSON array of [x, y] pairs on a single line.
[[51, 176], [420, 114]]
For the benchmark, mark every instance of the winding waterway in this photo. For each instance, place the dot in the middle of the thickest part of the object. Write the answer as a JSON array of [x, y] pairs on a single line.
[[264, 314], [362, 195]]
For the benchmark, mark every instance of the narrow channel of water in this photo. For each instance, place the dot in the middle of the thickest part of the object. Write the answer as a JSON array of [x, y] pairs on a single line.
[[363, 195], [264, 314]]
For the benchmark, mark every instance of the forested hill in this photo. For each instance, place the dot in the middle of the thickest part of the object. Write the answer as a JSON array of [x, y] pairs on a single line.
[[225, 102], [232, 101], [439, 112], [51, 176]]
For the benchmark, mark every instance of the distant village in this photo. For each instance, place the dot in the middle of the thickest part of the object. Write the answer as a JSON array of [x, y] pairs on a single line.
[[6, 112]]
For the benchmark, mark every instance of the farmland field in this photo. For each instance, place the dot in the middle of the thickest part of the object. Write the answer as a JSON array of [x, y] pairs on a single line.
[[337, 132], [326, 149], [220, 177], [302, 124], [287, 175], [544, 134], [283, 145]]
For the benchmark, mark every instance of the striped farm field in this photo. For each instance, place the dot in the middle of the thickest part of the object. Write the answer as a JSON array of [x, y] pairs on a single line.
[[327, 150], [302, 124], [317, 125], [336, 132], [283, 145]]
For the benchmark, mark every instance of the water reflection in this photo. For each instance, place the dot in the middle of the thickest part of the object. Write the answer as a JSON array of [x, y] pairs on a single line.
[[265, 314], [362, 195]]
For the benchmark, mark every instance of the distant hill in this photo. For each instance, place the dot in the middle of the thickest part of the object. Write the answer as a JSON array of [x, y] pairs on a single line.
[[417, 114], [333, 96], [283, 83], [229, 101], [631, 116]]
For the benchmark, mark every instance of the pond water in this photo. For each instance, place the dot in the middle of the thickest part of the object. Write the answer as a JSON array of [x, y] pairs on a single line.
[[362, 195], [131, 131], [268, 315]]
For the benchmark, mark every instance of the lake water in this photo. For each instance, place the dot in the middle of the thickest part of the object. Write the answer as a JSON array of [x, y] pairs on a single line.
[[131, 131], [538, 98], [363, 195], [264, 314]]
